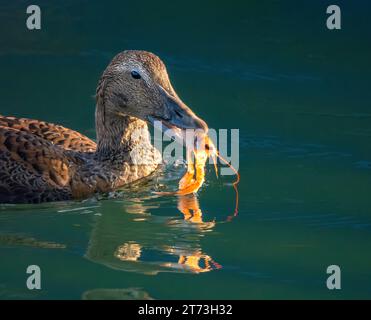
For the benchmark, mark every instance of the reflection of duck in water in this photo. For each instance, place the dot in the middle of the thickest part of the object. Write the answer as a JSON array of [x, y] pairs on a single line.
[[41, 161], [116, 294], [150, 244]]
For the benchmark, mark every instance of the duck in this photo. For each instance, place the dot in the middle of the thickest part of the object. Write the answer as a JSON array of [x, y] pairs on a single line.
[[44, 162]]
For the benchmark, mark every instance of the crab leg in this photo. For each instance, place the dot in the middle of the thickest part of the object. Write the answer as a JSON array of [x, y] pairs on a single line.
[[188, 177]]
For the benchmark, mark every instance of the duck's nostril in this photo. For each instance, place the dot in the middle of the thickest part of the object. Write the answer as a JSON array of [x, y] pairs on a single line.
[[178, 114]]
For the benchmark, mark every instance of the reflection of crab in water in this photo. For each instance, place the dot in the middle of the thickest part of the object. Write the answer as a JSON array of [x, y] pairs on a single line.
[[193, 260], [189, 206], [129, 252], [196, 262]]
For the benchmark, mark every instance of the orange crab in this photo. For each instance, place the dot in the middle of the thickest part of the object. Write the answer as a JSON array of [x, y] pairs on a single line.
[[194, 177]]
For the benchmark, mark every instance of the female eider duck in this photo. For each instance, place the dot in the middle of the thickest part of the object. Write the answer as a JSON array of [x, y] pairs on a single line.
[[41, 161]]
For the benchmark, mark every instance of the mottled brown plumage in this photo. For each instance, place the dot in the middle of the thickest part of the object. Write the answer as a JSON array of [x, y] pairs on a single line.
[[66, 138], [41, 161]]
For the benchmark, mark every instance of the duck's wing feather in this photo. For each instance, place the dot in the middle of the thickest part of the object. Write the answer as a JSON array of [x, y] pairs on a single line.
[[32, 169], [58, 135]]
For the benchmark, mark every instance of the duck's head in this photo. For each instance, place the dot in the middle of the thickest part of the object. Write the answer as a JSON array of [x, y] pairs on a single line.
[[136, 84]]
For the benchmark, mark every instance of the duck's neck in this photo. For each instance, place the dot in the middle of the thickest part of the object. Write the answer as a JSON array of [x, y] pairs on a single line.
[[118, 135]]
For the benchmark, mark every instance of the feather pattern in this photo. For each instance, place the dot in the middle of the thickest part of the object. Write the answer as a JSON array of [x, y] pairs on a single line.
[[41, 161]]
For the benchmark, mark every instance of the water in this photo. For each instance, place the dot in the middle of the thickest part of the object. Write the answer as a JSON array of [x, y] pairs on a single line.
[[300, 96]]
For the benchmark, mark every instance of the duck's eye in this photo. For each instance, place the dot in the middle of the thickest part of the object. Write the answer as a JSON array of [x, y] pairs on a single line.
[[135, 74]]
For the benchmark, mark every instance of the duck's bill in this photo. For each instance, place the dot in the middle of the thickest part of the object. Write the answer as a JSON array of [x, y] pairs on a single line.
[[175, 115], [168, 128], [176, 128]]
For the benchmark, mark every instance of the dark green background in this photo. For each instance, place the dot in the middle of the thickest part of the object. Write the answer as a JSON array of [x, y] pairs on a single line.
[[300, 95]]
